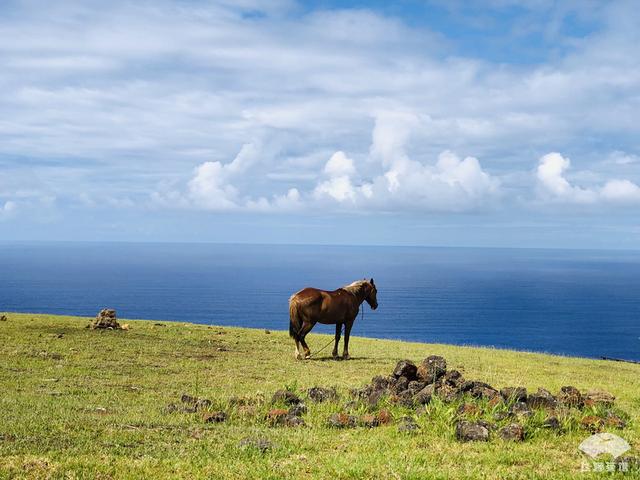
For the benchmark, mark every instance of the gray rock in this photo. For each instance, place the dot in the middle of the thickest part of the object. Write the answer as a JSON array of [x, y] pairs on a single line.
[[298, 409], [321, 394], [471, 431], [423, 397], [513, 431], [408, 425], [570, 397]]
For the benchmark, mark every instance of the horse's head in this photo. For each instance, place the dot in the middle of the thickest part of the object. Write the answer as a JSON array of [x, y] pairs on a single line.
[[372, 295]]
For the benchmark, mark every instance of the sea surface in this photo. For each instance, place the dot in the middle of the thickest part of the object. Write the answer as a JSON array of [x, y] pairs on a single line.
[[579, 303]]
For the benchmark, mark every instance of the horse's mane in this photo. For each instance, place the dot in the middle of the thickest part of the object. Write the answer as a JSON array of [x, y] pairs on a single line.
[[355, 287]]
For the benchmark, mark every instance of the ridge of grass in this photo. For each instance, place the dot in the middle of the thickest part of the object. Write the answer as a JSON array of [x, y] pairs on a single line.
[[79, 403]]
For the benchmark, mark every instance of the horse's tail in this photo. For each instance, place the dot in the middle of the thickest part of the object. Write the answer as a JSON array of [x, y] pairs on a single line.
[[295, 323]]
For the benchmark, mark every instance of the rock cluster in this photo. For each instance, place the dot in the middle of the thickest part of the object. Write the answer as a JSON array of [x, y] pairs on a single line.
[[414, 386], [106, 319]]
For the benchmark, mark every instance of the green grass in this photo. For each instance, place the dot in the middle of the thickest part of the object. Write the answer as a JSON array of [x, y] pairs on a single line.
[[78, 403]]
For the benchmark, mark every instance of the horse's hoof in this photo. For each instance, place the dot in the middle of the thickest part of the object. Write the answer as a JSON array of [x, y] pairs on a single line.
[[307, 356], [346, 356]]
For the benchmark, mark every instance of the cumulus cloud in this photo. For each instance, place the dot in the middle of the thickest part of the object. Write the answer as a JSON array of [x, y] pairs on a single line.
[[7, 209], [554, 186]]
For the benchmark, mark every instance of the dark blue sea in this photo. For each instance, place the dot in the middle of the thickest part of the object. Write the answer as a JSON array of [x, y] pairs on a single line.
[[580, 303]]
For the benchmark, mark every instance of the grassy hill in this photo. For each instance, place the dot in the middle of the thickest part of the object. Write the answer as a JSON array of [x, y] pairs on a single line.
[[79, 403]]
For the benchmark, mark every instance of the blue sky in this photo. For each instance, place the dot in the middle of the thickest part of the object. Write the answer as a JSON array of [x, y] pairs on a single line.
[[494, 123]]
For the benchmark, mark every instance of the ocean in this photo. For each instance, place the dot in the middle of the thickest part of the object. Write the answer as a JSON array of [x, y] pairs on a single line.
[[570, 302]]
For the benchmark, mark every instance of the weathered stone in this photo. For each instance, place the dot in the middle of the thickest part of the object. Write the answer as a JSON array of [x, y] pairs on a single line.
[[195, 403], [214, 417], [369, 421], [514, 394], [592, 423], [106, 319], [423, 397], [401, 385], [447, 393], [293, 421], [375, 397], [570, 397], [342, 420], [405, 368], [405, 399], [286, 397], [552, 423], [431, 369], [260, 444], [513, 432], [471, 431], [408, 425], [615, 421], [453, 378], [297, 410], [415, 386], [541, 399], [276, 416], [520, 409], [384, 417], [469, 409], [495, 401], [321, 394], [598, 397], [481, 390], [380, 383]]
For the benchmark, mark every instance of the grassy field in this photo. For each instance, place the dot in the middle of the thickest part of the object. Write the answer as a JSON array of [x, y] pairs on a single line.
[[79, 403]]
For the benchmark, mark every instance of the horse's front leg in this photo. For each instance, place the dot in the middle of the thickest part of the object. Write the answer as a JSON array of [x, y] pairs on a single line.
[[335, 346], [347, 332]]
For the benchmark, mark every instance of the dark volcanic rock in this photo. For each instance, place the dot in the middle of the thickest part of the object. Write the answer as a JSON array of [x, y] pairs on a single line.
[[447, 393], [552, 423], [375, 397], [405, 399], [405, 368], [570, 397], [276, 416], [592, 423], [381, 383], [321, 394], [541, 399], [598, 397], [286, 397], [423, 397], [613, 420], [214, 417], [513, 431], [293, 421], [195, 403], [431, 369], [520, 409], [415, 386], [471, 431], [453, 378], [369, 421], [342, 420], [514, 394], [401, 385], [480, 390], [297, 410]]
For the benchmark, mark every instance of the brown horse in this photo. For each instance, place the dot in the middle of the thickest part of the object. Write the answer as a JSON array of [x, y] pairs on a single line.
[[310, 306]]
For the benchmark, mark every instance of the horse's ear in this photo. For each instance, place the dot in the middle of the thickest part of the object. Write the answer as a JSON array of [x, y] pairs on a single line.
[[371, 282]]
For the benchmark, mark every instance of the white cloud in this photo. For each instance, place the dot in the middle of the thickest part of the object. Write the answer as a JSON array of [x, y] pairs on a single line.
[[7, 209], [555, 187]]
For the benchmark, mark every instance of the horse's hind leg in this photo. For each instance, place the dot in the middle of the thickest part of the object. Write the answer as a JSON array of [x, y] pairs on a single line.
[[297, 352], [306, 328]]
